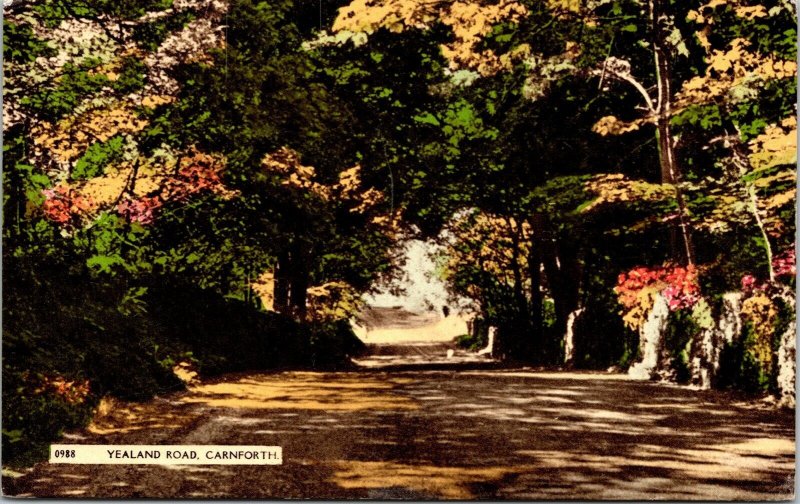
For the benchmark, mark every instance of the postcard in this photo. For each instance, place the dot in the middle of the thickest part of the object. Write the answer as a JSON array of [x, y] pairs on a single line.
[[399, 249]]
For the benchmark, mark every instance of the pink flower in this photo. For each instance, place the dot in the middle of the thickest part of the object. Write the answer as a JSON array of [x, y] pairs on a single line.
[[140, 210], [784, 264]]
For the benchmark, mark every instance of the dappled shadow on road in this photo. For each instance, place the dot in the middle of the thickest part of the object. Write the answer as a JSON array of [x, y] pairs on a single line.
[[594, 437], [477, 434], [118, 417], [305, 391]]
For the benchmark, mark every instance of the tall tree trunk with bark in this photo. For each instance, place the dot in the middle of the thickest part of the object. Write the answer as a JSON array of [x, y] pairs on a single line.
[[670, 173], [520, 310], [299, 280], [535, 274], [281, 283]]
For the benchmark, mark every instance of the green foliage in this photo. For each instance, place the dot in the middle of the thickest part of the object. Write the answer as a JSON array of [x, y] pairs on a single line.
[[149, 36], [618, 345], [76, 83], [740, 368], [731, 255], [55, 11], [113, 246], [702, 315], [681, 329], [132, 72], [703, 116], [478, 339], [331, 344], [54, 325], [97, 157], [33, 421], [20, 44]]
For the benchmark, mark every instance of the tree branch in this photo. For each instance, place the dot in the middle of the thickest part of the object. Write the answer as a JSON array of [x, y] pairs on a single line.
[[626, 77]]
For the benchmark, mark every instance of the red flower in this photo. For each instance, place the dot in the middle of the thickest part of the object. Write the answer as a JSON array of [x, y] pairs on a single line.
[[678, 285]]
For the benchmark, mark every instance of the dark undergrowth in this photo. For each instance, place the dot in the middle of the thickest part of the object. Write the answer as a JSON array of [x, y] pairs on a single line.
[[69, 340]]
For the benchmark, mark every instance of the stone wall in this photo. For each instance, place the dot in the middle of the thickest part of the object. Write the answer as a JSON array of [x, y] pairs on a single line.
[[705, 348]]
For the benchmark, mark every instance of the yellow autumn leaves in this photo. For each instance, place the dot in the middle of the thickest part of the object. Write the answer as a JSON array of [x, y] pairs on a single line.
[[616, 188], [761, 312], [729, 76], [776, 146], [729, 72], [68, 139], [492, 244], [470, 22], [285, 163]]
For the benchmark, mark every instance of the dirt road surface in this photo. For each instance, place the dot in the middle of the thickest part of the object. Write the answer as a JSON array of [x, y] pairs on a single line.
[[463, 434]]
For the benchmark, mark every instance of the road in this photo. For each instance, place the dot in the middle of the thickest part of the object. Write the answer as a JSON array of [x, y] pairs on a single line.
[[491, 433]]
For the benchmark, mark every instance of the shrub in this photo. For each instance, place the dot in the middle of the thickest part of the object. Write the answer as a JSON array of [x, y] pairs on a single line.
[[63, 329]]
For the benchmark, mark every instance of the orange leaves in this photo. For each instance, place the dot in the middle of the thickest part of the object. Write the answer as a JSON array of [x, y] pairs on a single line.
[[108, 110], [638, 287], [66, 206], [197, 172], [285, 163], [67, 140], [469, 21], [264, 287], [615, 188], [610, 125], [776, 146], [735, 72], [349, 188], [566, 5], [730, 72], [739, 62], [350, 180], [138, 189], [369, 15], [749, 12], [489, 243], [153, 101], [73, 392]]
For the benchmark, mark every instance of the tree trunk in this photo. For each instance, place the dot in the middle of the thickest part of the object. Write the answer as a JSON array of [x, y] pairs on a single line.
[[742, 163], [299, 280], [563, 272], [299, 291], [281, 283], [535, 273], [670, 173], [521, 322]]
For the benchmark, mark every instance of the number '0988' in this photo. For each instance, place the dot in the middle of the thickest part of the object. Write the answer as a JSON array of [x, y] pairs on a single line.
[[64, 454]]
